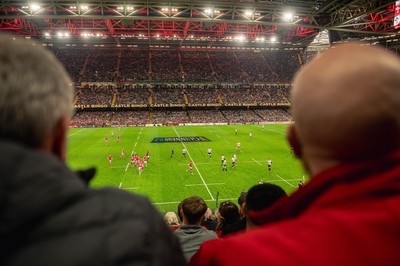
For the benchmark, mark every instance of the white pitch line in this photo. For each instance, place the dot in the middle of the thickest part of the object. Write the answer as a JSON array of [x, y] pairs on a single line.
[[285, 181], [126, 169], [209, 192], [130, 187], [127, 166], [210, 184], [256, 161], [177, 202], [276, 131], [76, 132], [221, 138], [197, 163]]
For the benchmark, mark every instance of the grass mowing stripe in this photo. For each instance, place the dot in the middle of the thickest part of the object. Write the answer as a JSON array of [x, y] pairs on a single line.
[[194, 164]]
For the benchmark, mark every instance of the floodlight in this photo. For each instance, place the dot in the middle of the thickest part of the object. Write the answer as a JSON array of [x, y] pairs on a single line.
[[208, 11], [130, 8], [34, 7], [248, 13], [273, 39], [46, 34], [59, 34], [240, 38], [288, 16], [84, 7]]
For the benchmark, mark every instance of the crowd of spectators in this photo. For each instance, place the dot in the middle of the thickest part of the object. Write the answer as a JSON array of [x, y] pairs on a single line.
[[241, 116], [272, 115], [202, 95], [196, 67], [197, 223], [132, 66], [127, 94], [206, 116], [271, 94], [235, 95], [284, 65], [255, 67], [92, 119], [226, 67], [307, 56], [170, 117], [95, 95], [164, 117], [101, 66], [73, 60], [165, 95], [130, 118], [165, 66]]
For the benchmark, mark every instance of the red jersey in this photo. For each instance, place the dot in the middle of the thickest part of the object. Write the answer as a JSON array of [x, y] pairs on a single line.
[[109, 157]]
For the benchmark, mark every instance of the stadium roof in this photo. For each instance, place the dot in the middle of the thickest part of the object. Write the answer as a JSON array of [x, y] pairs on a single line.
[[184, 23]]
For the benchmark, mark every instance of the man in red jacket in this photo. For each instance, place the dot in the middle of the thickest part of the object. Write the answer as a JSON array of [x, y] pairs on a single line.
[[346, 104]]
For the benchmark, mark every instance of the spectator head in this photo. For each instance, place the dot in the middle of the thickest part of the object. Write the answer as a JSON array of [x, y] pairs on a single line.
[[228, 213], [241, 201], [346, 106], [208, 214], [193, 210], [261, 197], [171, 219], [36, 96], [180, 212]]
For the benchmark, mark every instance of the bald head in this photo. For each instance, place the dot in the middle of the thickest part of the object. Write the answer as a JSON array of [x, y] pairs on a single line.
[[346, 104]]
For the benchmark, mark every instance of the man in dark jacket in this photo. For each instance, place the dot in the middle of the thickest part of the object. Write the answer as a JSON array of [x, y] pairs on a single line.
[[48, 215]]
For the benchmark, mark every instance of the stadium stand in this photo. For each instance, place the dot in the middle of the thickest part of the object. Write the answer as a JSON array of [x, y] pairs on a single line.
[[147, 86]]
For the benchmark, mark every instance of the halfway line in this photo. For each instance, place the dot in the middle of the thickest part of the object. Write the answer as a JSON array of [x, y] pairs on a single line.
[[183, 144]]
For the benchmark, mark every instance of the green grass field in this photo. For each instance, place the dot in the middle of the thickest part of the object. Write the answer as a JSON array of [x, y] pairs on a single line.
[[166, 182]]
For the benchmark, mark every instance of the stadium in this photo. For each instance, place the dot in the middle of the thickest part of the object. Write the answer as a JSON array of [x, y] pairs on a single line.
[[163, 76]]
